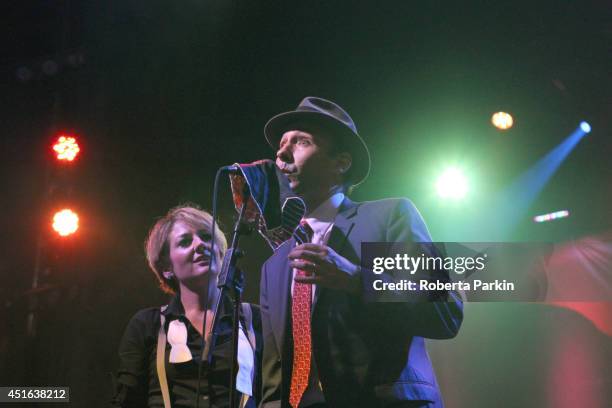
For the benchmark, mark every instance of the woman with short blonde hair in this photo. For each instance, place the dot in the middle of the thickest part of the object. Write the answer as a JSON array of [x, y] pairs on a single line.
[[161, 350], [156, 245]]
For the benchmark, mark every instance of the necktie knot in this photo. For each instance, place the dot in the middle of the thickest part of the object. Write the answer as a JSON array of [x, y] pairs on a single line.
[[303, 233]]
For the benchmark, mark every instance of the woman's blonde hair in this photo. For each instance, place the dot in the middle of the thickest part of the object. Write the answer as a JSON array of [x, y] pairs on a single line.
[[157, 247]]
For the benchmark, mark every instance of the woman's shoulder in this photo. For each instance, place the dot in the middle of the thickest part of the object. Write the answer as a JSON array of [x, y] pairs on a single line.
[[147, 314], [144, 321], [141, 330]]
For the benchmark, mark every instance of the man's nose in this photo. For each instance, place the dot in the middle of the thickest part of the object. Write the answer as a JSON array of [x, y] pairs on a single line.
[[285, 153]]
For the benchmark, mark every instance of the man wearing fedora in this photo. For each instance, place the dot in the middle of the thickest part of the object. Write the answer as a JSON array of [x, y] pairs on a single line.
[[324, 345]]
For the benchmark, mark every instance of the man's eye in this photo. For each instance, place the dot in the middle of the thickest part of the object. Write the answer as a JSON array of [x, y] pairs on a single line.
[[304, 142]]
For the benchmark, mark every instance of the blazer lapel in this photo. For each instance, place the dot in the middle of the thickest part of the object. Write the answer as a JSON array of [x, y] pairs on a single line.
[[281, 291], [343, 225]]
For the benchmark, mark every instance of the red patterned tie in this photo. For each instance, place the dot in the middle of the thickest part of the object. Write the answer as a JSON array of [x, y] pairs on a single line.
[[300, 317]]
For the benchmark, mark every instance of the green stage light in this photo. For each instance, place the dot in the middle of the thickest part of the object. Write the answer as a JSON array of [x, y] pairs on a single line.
[[452, 184]]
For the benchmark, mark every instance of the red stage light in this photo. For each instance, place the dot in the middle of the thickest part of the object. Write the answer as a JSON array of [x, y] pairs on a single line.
[[65, 222], [66, 148]]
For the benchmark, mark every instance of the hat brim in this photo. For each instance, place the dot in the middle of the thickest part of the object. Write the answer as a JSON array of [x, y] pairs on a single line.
[[283, 122]]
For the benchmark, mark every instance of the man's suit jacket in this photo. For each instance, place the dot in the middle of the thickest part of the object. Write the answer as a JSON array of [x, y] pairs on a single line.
[[367, 354]]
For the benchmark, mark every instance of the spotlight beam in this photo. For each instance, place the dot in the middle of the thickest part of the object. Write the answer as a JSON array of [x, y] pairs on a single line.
[[510, 206], [514, 201]]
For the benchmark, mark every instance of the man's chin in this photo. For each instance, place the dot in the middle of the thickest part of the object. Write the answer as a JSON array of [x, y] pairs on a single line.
[[295, 186], [301, 188]]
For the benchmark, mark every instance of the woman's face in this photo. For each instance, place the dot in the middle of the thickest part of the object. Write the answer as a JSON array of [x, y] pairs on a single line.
[[190, 254]]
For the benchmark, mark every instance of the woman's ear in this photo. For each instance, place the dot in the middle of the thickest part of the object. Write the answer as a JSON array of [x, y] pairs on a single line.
[[169, 275]]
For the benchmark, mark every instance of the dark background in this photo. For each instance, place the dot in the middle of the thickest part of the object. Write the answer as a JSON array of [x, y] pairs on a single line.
[[161, 94]]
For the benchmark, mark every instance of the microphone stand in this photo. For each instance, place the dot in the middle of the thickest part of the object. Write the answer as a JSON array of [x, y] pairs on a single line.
[[231, 284]]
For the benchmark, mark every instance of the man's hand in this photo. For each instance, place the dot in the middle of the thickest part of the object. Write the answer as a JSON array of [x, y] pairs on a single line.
[[324, 267]]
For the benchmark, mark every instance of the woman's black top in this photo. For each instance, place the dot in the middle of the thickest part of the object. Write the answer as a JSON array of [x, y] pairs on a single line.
[[137, 381]]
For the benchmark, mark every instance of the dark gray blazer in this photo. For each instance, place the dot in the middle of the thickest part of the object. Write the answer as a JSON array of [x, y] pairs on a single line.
[[367, 354]]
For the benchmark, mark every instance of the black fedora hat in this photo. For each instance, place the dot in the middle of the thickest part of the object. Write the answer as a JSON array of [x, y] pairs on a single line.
[[333, 118]]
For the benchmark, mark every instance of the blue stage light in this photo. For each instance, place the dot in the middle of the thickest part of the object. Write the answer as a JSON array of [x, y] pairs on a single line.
[[586, 128]]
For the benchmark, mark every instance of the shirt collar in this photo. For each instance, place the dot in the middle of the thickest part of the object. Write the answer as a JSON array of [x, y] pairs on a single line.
[[326, 211], [175, 308]]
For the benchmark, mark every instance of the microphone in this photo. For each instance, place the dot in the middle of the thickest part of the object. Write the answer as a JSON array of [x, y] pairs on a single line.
[[272, 207], [232, 169]]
